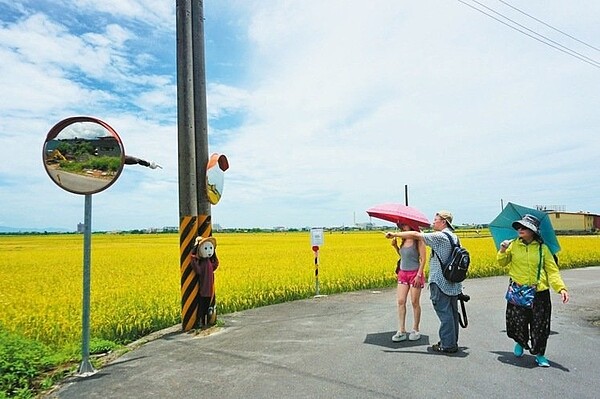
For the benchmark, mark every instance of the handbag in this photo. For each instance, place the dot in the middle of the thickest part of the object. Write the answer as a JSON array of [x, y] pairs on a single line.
[[521, 294]]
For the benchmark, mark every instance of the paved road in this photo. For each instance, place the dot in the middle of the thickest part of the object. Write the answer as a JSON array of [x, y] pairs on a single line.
[[339, 346]]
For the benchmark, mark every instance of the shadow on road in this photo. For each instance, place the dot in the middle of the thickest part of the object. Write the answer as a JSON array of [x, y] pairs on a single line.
[[526, 362], [385, 339]]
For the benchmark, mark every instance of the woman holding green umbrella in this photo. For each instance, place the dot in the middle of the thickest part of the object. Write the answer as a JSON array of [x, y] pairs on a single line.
[[530, 263]]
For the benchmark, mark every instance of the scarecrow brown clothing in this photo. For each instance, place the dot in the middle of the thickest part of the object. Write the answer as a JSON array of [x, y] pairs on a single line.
[[204, 268]]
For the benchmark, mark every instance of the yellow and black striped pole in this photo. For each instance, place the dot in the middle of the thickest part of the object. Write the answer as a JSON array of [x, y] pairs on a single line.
[[189, 279], [192, 126], [190, 228]]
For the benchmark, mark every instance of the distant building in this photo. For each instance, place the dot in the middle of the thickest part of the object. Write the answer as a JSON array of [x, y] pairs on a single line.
[[364, 226], [574, 221], [80, 227]]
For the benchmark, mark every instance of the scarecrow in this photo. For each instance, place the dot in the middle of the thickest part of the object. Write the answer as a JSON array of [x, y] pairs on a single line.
[[205, 262]]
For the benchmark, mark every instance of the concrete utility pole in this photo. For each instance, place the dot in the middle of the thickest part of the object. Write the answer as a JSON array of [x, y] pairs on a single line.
[[194, 207], [200, 118]]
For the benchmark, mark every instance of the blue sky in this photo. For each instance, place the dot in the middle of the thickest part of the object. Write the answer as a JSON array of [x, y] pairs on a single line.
[[323, 108]]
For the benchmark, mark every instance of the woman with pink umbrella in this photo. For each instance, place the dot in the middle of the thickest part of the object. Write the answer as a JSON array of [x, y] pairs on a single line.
[[410, 280], [412, 262]]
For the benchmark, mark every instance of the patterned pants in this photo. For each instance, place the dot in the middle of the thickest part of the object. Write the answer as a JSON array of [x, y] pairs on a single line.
[[523, 324]]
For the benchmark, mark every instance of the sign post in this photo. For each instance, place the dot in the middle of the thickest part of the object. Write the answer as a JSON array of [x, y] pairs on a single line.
[[75, 141], [316, 240], [85, 367]]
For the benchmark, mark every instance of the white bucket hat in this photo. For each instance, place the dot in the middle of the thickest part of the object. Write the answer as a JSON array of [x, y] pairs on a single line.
[[529, 222]]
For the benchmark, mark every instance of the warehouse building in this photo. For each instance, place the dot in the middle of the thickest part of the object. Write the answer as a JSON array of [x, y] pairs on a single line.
[[574, 222]]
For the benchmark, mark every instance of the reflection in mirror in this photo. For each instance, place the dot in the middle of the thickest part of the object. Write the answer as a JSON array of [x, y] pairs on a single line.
[[83, 155]]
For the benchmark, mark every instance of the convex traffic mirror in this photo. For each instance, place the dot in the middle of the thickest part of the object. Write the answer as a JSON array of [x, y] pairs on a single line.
[[217, 165], [83, 155]]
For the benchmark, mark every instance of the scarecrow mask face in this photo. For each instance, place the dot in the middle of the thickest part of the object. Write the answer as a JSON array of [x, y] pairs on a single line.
[[206, 249]]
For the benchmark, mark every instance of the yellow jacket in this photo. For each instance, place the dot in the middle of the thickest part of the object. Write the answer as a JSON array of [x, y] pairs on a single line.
[[523, 259]]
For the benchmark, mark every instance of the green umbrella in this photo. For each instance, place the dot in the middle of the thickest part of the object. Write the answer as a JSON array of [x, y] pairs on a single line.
[[501, 227]]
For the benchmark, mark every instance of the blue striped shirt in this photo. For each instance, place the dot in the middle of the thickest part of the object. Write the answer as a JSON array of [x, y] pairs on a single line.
[[442, 247]]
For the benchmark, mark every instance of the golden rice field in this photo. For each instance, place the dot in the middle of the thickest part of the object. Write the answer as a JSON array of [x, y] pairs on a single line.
[[135, 279]]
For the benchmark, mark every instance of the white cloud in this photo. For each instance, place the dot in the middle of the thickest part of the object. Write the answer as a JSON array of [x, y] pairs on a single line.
[[338, 107], [223, 99], [158, 13], [357, 103]]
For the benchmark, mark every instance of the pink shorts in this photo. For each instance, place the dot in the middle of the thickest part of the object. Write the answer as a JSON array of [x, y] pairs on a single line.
[[407, 276]]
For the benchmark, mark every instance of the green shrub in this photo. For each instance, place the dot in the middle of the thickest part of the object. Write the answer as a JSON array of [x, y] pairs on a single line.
[[104, 163], [98, 346], [21, 361]]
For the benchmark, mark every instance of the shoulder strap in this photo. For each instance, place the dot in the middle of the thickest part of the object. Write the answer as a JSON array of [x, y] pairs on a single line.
[[451, 240], [452, 243], [539, 265]]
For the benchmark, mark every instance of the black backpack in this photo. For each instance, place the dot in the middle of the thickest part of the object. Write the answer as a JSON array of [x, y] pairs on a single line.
[[457, 265]]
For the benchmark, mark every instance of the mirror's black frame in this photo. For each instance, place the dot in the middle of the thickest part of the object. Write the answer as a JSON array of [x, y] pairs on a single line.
[[55, 132]]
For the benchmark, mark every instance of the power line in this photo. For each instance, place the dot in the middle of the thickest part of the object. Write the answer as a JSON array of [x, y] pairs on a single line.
[[564, 49], [549, 26], [535, 33]]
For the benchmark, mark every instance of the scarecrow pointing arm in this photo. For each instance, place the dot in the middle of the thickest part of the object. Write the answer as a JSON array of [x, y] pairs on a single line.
[[130, 160]]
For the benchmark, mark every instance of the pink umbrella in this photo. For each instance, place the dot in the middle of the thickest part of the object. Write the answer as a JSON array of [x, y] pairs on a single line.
[[400, 214]]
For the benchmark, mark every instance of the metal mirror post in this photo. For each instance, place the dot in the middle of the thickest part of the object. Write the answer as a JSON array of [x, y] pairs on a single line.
[[84, 155]]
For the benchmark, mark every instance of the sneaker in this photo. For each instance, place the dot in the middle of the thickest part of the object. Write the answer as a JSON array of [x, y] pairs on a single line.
[[438, 348], [400, 336], [542, 361], [414, 336], [518, 351]]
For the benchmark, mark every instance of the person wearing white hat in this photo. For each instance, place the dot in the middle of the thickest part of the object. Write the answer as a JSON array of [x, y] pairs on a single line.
[[531, 263]]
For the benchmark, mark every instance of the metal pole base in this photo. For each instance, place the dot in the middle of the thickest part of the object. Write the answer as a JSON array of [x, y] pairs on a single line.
[[86, 369]]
